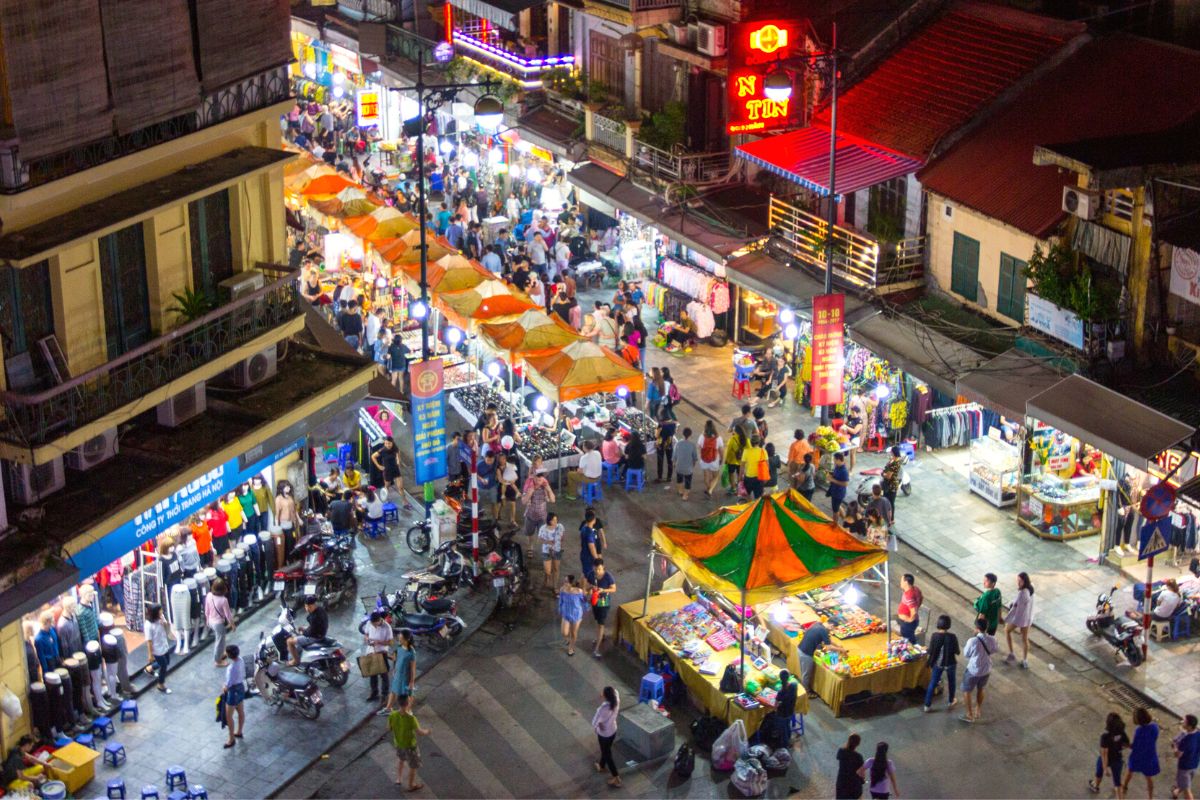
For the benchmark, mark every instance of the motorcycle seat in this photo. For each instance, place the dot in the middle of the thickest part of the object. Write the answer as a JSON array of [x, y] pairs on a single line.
[[441, 605], [316, 643], [293, 679], [419, 620]]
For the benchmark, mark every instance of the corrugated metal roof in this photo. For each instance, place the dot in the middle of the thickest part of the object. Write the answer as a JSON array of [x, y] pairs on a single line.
[[803, 156], [1089, 95], [945, 75]]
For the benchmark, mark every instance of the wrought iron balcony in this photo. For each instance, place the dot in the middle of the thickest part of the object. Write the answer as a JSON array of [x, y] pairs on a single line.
[[859, 260], [659, 165], [608, 132], [35, 419], [254, 93], [484, 49]]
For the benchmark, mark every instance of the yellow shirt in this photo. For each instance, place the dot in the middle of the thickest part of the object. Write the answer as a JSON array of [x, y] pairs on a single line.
[[234, 511], [351, 479], [751, 457]]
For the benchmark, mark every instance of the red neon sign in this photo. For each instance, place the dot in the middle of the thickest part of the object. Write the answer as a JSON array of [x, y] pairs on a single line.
[[755, 50]]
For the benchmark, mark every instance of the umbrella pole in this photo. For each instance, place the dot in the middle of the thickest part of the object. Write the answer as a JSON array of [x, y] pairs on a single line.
[[887, 597], [649, 581], [742, 654]]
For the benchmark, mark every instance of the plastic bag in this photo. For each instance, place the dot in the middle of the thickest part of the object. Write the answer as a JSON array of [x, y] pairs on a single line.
[[776, 759], [749, 777], [729, 746]]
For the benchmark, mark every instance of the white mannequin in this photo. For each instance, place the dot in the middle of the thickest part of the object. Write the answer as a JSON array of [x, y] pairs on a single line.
[[181, 614]]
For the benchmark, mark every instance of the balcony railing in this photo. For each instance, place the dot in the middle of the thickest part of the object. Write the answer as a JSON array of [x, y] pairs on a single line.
[[254, 93], [608, 132], [858, 259], [485, 49], [658, 164], [35, 419]]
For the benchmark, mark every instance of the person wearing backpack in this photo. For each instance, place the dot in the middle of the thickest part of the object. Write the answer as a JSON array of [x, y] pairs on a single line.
[[755, 469], [711, 448], [672, 395], [978, 654]]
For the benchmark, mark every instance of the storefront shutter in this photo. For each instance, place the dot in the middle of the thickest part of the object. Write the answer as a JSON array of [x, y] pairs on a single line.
[[964, 267], [1010, 295]]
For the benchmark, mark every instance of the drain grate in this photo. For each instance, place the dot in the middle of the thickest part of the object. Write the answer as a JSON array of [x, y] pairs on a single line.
[[1124, 696]]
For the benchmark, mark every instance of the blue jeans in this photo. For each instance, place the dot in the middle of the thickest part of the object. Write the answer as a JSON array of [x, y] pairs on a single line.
[[352, 340], [935, 678], [160, 668]]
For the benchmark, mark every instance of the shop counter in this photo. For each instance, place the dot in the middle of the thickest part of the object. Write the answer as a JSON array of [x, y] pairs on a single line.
[[1068, 514], [833, 687], [632, 628]]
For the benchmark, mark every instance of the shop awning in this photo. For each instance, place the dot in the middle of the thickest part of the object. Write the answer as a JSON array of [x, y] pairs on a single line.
[[803, 156], [36, 590], [925, 354], [1007, 382], [500, 12], [768, 276], [1109, 421], [680, 223]]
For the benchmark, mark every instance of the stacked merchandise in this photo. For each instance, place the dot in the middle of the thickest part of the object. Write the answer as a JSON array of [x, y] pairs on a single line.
[[843, 620], [477, 398], [684, 288], [900, 652], [537, 441]]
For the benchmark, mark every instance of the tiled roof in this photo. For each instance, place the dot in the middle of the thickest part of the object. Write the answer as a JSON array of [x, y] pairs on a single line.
[[946, 74], [1094, 93]]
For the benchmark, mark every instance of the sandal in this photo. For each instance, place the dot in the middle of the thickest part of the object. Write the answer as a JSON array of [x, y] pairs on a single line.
[[416, 788]]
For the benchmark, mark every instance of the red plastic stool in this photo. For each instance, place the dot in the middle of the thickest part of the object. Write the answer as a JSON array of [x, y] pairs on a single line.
[[741, 389], [876, 443]]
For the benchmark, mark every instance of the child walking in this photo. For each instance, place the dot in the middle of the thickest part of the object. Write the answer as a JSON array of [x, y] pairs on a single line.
[[405, 729]]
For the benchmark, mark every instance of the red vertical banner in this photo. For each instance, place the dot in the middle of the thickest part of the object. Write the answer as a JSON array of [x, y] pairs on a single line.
[[828, 348]]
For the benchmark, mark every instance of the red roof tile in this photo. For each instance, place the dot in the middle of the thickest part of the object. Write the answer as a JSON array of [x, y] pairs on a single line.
[[1091, 94], [943, 76]]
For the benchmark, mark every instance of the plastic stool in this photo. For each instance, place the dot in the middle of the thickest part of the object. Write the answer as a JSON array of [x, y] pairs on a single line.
[[876, 443], [375, 528], [1160, 630], [198, 792], [1181, 625], [129, 710], [651, 689], [610, 472], [176, 778], [390, 513], [116, 789], [592, 493], [114, 754], [635, 479], [62, 741], [103, 727], [149, 791], [741, 389], [86, 739], [797, 724], [177, 795]]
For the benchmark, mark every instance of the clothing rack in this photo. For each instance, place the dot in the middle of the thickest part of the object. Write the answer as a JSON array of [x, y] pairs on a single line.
[[955, 409]]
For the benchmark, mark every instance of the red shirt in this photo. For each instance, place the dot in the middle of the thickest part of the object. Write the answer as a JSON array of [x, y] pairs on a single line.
[[218, 522], [910, 602]]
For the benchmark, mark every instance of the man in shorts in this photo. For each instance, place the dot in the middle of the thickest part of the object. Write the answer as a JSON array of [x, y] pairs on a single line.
[[685, 458], [603, 587], [405, 728], [1186, 747], [978, 654]]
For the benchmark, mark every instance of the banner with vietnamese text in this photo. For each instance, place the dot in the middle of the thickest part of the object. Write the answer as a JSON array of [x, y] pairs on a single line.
[[828, 348]]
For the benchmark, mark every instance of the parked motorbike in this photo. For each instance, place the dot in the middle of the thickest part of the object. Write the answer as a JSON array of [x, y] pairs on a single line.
[[437, 625], [283, 686], [325, 568], [324, 659], [870, 477], [421, 534], [507, 570], [1121, 632]]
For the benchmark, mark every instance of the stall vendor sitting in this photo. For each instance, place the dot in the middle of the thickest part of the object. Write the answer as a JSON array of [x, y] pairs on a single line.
[[682, 333]]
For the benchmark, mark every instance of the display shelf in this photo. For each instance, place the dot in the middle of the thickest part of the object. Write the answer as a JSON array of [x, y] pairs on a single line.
[[1056, 508], [995, 471]]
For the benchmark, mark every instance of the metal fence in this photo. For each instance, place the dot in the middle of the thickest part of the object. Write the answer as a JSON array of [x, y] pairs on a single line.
[[681, 167], [608, 132]]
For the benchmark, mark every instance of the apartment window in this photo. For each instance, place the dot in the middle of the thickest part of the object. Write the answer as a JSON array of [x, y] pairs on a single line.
[[126, 294], [26, 308], [211, 244], [888, 206], [606, 62], [1010, 294], [964, 267]]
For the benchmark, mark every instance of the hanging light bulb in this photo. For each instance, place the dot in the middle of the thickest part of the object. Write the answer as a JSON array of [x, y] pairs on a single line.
[[791, 332], [542, 403], [338, 91], [447, 147], [493, 370], [495, 155], [533, 175], [453, 337], [882, 391], [470, 159], [515, 171], [418, 310], [310, 70], [338, 79], [851, 595], [622, 392], [778, 87], [489, 113], [787, 316]]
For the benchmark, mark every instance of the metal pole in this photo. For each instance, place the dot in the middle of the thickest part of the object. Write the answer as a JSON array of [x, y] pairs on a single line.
[[832, 218], [426, 493], [742, 654], [475, 503], [1147, 602], [649, 582], [887, 596]]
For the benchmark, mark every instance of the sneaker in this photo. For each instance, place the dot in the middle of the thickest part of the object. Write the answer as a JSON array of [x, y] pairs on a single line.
[[1093, 787], [383, 712], [1010, 659], [924, 709], [965, 718], [1024, 665]]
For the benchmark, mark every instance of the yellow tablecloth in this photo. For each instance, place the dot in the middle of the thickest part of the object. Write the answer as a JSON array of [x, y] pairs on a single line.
[[632, 628], [830, 686]]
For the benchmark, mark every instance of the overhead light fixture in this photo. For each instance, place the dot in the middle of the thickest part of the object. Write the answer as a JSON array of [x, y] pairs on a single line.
[[493, 370], [418, 310], [489, 113], [778, 86], [541, 403], [453, 336], [791, 332], [787, 316]]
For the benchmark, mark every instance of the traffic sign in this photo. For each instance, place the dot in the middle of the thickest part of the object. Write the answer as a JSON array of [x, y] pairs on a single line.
[[1153, 539], [1158, 501]]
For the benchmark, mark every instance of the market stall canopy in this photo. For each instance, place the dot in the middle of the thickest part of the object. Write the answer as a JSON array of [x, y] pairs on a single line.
[[350, 202], [1109, 421], [488, 300], [581, 369], [382, 222], [1008, 381], [327, 185], [303, 173], [391, 250], [435, 249], [450, 273], [534, 333], [776, 546]]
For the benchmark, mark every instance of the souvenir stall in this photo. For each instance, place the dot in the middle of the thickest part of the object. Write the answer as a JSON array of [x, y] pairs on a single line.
[[324, 73], [681, 287], [607, 411], [752, 556], [1059, 496]]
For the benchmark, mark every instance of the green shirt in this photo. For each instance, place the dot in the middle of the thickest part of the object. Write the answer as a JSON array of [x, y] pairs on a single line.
[[404, 729], [988, 605], [247, 500]]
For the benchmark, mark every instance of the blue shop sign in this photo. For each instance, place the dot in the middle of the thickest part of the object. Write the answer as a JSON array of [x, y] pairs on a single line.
[[174, 509]]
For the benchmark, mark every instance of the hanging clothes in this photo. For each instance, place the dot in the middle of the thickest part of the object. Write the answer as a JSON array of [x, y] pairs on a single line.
[[954, 426]]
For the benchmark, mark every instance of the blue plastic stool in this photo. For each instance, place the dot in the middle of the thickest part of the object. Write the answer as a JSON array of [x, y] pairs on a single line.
[[103, 727], [86, 739], [1181, 625], [610, 472], [149, 791], [116, 789], [198, 792], [177, 795], [62, 741], [635, 479], [592, 493], [651, 689], [375, 528], [390, 513], [176, 778], [129, 710], [114, 754], [798, 724]]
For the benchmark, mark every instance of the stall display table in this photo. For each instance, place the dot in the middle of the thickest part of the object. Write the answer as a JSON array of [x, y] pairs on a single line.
[[632, 628], [1056, 508], [833, 687]]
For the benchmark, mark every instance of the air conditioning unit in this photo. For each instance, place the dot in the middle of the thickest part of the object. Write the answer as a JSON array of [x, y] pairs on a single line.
[[179, 409], [240, 285], [710, 38], [29, 484], [680, 34], [94, 451], [1082, 203], [255, 369]]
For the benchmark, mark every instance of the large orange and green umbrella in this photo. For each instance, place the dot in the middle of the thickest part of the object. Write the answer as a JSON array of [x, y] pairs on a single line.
[[758, 552], [350, 202], [488, 300], [382, 222], [450, 273], [534, 333], [327, 185], [581, 369]]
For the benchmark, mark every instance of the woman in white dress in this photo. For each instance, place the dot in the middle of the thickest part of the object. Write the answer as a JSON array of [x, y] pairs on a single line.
[[1019, 618]]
